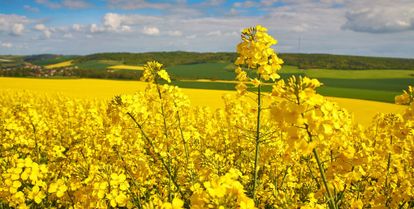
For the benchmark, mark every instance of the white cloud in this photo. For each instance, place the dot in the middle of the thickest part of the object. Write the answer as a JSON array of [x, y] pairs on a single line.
[[112, 21], [115, 22], [13, 24], [126, 28], [194, 36], [174, 33], [77, 27], [184, 12], [50, 4], [136, 4], [214, 33], [381, 17], [75, 4], [151, 31], [31, 9], [67, 35], [234, 33], [40, 27], [7, 45], [47, 32], [213, 2], [71, 4], [245, 4], [178, 8], [268, 2], [136, 19], [94, 28], [300, 28], [18, 29]]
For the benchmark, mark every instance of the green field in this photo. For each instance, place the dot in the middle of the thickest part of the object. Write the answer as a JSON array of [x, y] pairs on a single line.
[[97, 64], [10, 61], [51, 61], [369, 93], [213, 71], [377, 85], [350, 74], [185, 69]]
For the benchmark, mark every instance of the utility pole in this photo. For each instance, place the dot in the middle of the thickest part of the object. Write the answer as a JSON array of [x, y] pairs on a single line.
[[299, 56]]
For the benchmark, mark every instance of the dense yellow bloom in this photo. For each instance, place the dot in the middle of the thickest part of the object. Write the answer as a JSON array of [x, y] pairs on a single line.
[[164, 75], [58, 187], [201, 158], [175, 204], [221, 192], [406, 98], [24, 179], [255, 54], [154, 70]]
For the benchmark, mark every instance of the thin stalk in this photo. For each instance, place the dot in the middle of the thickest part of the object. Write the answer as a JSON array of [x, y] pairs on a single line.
[[36, 143], [387, 185], [257, 144], [129, 172], [284, 177], [332, 204], [164, 164], [70, 197], [312, 175], [166, 137], [182, 137], [388, 170], [402, 205]]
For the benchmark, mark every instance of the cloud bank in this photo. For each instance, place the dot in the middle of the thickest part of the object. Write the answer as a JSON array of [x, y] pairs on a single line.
[[365, 27]]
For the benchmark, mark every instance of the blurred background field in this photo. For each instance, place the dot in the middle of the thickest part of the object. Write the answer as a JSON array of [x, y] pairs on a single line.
[[106, 89], [367, 78]]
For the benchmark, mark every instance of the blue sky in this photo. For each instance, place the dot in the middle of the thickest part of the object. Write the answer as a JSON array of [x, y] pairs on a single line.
[[364, 27]]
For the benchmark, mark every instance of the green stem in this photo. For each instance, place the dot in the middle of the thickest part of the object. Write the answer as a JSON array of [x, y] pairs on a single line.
[[388, 170], [182, 137], [312, 175], [257, 151], [129, 172], [332, 204], [37, 148], [387, 184], [164, 164], [166, 137]]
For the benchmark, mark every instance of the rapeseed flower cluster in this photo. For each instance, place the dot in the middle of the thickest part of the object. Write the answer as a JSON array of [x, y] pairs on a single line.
[[256, 54]]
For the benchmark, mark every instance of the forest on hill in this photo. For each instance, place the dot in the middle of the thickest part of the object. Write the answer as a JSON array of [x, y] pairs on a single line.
[[303, 61]]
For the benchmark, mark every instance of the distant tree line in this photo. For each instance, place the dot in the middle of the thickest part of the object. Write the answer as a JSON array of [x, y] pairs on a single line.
[[33, 65], [303, 61], [328, 61], [168, 58]]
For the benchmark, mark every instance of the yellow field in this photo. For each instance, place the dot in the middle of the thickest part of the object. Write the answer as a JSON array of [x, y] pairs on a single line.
[[126, 67], [364, 110], [60, 64], [105, 89]]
